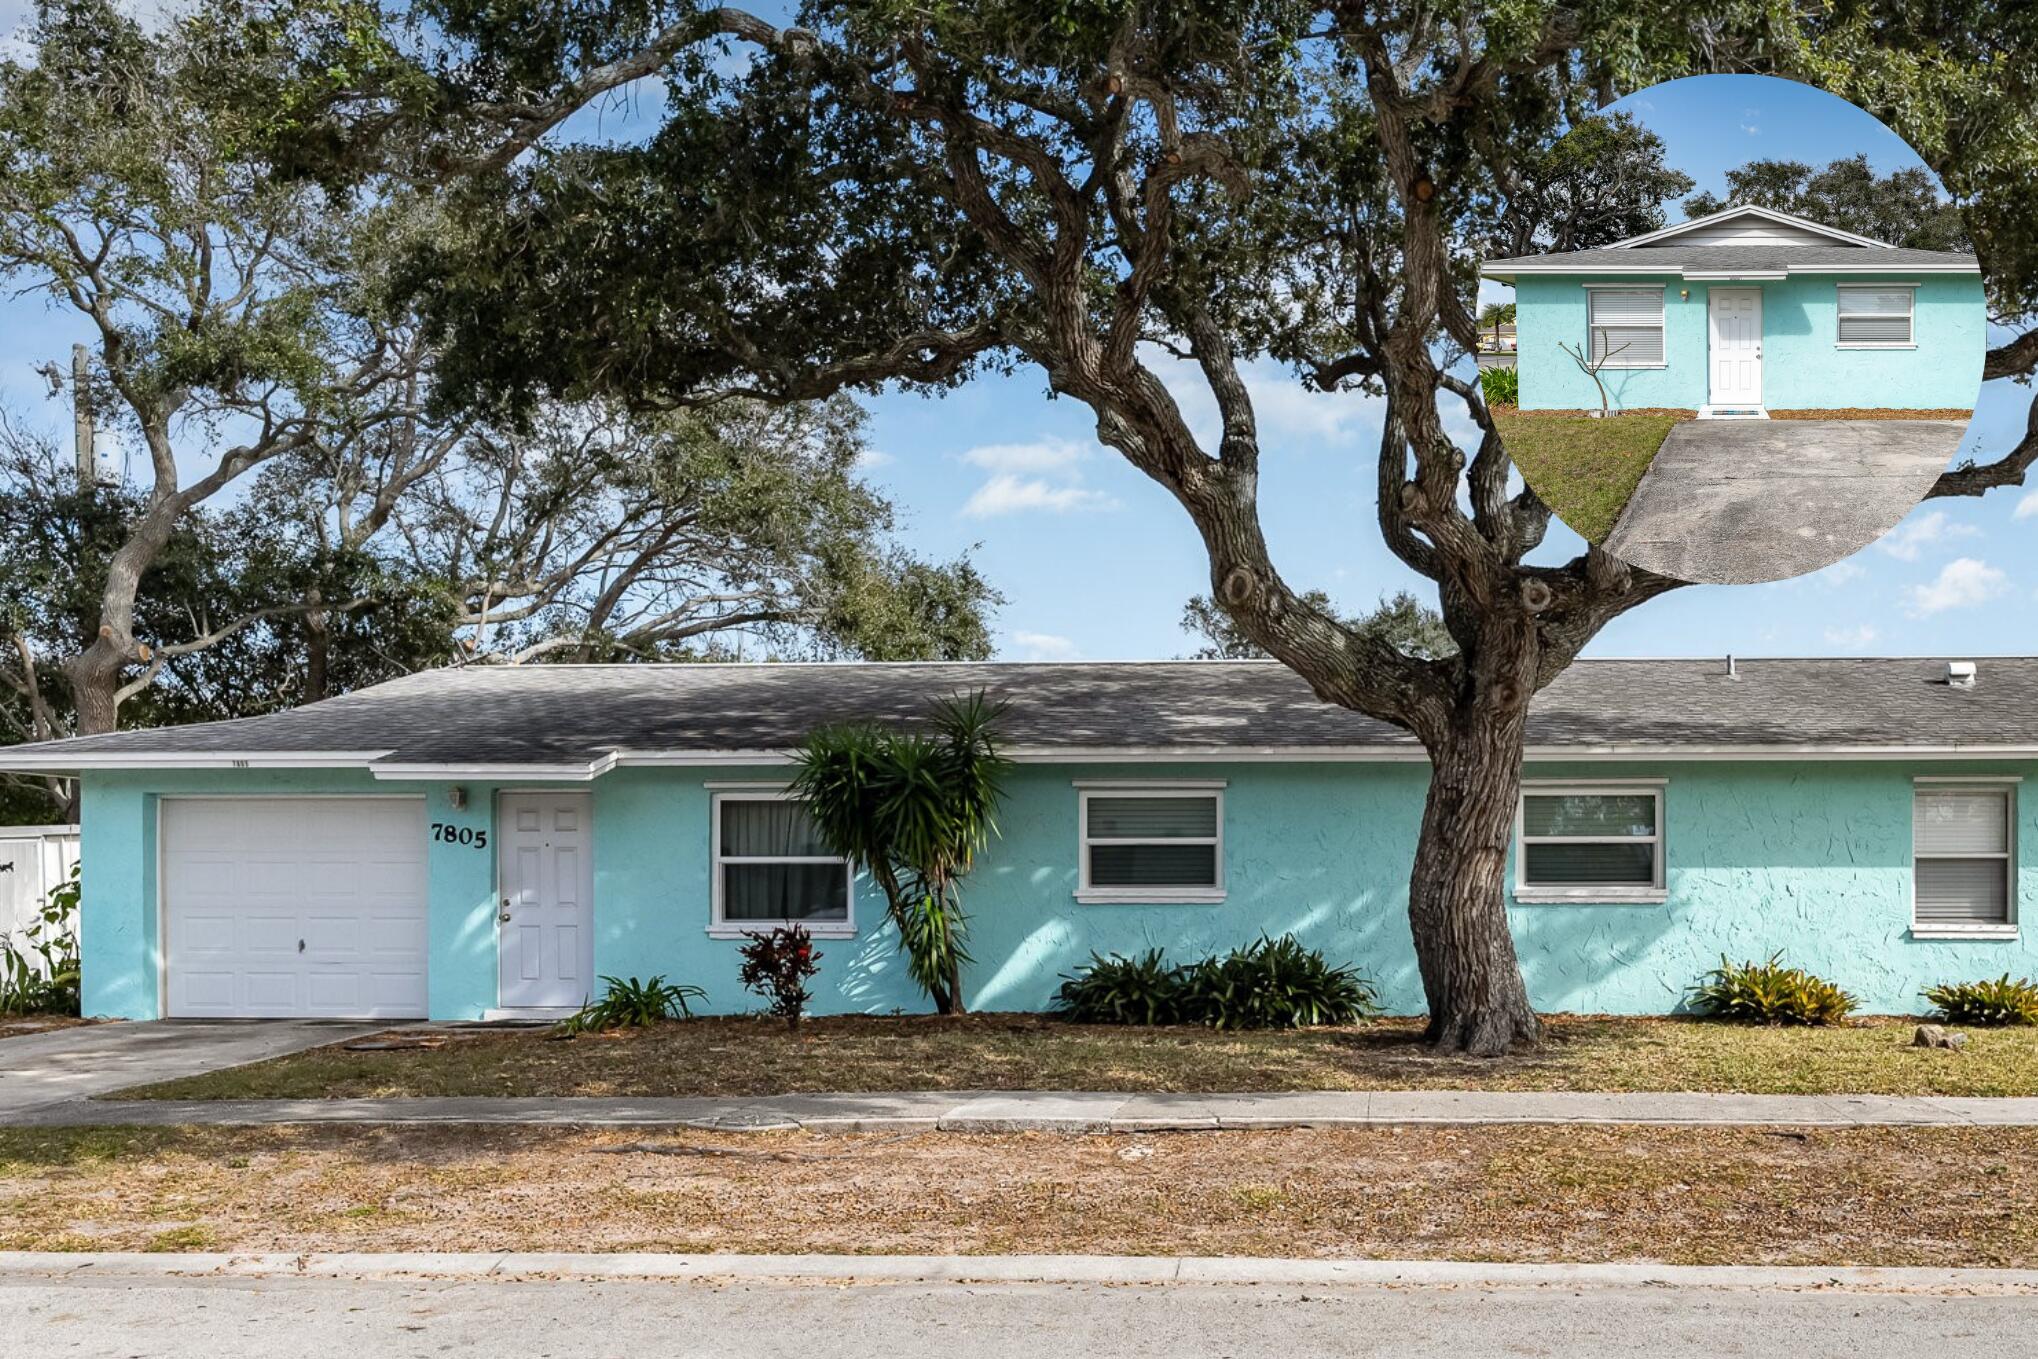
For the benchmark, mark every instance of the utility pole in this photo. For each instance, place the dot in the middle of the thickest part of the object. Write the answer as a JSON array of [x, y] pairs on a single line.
[[81, 419]]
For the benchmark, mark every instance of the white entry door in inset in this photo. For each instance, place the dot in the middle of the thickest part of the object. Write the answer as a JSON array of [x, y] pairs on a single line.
[[545, 920], [1735, 337]]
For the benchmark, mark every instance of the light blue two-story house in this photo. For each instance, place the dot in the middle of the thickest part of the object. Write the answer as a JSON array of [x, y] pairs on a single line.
[[1745, 312], [488, 841]]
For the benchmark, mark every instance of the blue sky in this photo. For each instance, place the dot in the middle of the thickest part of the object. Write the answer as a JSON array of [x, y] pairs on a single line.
[[1096, 562]]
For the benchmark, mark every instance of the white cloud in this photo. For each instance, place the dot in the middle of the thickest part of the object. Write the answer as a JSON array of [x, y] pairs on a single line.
[[870, 459], [1853, 638], [1843, 572], [1044, 646], [1909, 539], [1960, 584], [1042, 455], [2027, 508], [1007, 493]]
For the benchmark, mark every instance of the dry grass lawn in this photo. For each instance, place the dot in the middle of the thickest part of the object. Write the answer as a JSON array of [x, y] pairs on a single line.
[[1585, 469], [754, 1056], [1889, 1196]]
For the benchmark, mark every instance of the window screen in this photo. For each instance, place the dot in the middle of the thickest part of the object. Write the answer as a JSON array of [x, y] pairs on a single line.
[[1627, 326], [1961, 851], [1152, 842], [1875, 315], [1584, 839], [773, 865]]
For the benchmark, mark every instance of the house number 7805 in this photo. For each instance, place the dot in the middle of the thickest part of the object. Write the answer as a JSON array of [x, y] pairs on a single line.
[[459, 835]]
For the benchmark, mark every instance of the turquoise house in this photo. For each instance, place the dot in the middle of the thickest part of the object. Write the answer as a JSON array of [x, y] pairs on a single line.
[[1745, 312], [488, 841]]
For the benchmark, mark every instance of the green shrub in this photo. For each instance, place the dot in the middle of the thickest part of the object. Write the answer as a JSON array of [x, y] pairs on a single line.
[[1987, 1004], [39, 973], [1274, 984], [633, 1004], [1119, 990], [1770, 993], [1501, 386]]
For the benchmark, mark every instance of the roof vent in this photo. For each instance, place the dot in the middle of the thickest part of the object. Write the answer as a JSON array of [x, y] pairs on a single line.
[[1960, 674], [1733, 671]]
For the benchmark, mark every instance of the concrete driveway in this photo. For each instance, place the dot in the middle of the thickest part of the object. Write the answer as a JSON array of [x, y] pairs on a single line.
[[39, 1070], [1736, 502]]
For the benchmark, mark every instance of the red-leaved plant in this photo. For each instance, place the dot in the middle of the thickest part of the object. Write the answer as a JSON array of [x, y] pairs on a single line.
[[776, 965]]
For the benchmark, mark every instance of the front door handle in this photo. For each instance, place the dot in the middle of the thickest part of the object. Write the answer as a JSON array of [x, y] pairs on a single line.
[[504, 914]]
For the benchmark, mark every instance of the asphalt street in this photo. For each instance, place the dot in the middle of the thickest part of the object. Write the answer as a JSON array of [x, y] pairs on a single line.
[[227, 1318]]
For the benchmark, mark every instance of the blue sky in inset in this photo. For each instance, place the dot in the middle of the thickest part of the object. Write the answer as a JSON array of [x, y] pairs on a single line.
[[1096, 561]]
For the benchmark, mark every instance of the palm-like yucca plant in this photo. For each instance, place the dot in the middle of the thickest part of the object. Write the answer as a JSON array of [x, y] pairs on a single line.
[[915, 808]]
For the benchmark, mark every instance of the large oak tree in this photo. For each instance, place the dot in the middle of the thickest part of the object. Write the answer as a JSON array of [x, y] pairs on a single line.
[[897, 192]]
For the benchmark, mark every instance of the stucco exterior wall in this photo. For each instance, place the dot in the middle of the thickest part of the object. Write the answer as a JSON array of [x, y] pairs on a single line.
[[1803, 367], [1810, 858]]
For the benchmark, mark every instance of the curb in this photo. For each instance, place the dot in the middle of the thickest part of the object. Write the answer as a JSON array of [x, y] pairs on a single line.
[[17, 1266]]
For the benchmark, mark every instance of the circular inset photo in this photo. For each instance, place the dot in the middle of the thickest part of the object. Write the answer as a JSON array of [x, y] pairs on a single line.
[[1732, 329]]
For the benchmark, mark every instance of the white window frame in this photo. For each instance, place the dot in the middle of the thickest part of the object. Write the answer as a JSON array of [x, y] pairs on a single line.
[[1592, 292], [1089, 894], [718, 927], [1910, 316], [1940, 929], [1599, 894]]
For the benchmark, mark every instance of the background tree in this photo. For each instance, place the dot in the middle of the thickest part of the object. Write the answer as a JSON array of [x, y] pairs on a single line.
[[586, 535], [1401, 620], [913, 194], [1904, 207], [1602, 181], [232, 308]]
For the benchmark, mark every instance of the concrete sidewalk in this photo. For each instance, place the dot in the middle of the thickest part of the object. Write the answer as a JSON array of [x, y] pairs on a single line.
[[1052, 1111]]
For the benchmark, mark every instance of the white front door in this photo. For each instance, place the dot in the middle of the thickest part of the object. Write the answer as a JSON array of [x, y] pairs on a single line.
[[293, 906], [1735, 334], [545, 915]]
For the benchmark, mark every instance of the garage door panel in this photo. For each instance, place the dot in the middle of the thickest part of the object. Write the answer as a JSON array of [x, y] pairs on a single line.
[[295, 906]]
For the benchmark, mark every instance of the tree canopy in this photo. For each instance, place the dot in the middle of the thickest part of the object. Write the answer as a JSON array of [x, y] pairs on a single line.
[[1903, 207]]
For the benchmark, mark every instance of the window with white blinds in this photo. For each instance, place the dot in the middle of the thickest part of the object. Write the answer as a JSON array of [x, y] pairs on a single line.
[[1590, 843], [1626, 326], [1961, 840], [1875, 314], [1152, 844]]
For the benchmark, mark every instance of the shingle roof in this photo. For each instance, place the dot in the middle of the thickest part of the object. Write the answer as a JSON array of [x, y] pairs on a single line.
[[572, 717], [1673, 258]]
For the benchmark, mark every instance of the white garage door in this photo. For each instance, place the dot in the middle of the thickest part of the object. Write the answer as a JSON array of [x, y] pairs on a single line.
[[294, 906]]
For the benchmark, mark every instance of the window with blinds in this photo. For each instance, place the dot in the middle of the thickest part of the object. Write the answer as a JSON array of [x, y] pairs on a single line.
[[1961, 841], [1875, 314], [772, 868], [1590, 843], [1626, 326], [1152, 844]]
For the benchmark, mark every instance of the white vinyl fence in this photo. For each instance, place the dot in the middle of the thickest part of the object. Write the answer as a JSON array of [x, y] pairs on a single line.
[[33, 861]]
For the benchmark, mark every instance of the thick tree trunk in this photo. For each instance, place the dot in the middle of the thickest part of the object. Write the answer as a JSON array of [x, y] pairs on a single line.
[[1457, 905], [93, 676], [317, 649]]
